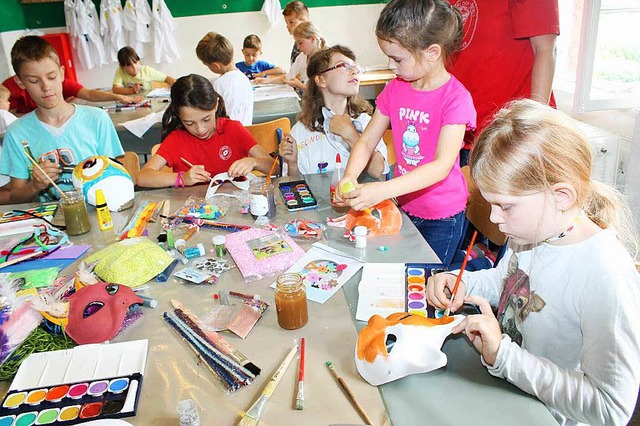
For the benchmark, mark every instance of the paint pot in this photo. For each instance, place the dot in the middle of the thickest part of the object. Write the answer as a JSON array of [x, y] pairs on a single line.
[[91, 410], [35, 397], [78, 390], [56, 393], [14, 400], [48, 416], [262, 200], [69, 413], [361, 236], [26, 419], [98, 388], [219, 242], [76, 218], [291, 301], [113, 406], [188, 413], [7, 420], [118, 385]]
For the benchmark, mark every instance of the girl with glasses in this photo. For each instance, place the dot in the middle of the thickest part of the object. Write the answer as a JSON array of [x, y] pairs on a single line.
[[332, 118], [429, 111]]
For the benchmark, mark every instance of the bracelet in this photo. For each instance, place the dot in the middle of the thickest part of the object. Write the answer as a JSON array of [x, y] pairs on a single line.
[[179, 181]]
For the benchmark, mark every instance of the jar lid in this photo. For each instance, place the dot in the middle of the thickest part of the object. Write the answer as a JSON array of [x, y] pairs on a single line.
[[219, 239], [360, 231]]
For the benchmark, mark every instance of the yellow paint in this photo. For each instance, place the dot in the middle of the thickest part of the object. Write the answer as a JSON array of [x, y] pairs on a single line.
[[69, 413], [15, 400]]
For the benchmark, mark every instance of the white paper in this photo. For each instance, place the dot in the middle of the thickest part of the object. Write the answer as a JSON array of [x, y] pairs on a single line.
[[140, 126], [160, 92], [221, 178], [264, 92], [324, 270], [381, 290]]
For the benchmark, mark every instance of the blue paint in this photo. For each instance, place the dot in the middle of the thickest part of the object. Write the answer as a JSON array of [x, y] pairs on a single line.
[[118, 385]]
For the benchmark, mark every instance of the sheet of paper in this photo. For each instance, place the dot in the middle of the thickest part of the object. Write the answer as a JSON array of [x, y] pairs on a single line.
[[140, 126], [161, 92], [324, 271], [264, 92], [381, 290]]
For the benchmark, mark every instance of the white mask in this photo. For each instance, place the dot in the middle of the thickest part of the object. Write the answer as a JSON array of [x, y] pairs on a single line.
[[400, 345]]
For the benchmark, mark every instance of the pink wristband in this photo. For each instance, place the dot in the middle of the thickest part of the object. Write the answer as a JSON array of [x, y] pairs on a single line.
[[179, 181]]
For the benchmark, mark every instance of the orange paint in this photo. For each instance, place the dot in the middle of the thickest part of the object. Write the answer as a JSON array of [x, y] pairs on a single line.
[[416, 280], [371, 341], [389, 224], [36, 396]]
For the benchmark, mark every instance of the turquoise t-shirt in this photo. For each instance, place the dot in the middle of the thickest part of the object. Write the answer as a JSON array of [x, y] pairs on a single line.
[[89, 132]]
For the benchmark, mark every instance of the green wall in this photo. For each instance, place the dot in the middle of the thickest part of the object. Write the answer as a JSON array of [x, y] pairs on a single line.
[[16, 16]]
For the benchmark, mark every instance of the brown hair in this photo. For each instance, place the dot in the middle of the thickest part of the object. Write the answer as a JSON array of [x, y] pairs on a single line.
[[417, 24], [127, 56], [214, 47], [297, 8], [252, 41], [529, 147], [31, 49], [312, 100], [307, 30]]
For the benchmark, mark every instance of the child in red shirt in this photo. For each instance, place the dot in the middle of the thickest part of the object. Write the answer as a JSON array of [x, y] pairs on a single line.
[[195, 131]]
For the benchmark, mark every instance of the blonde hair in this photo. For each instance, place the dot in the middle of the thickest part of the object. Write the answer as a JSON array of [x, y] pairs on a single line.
[[214, 47], [307, 30], [529, 147]]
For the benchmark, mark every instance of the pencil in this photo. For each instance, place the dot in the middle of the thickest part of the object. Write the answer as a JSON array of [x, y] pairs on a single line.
[[300, 396], [459, 278], [35, 164], [350, 394], [184, 160], [252, 416]]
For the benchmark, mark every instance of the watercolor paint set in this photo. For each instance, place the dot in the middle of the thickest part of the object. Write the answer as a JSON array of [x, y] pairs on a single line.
[[88, 382], [297, 196], [416, 276]]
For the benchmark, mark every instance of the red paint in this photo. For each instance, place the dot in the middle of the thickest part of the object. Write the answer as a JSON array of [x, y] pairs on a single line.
[[57, 393], [91, 410]]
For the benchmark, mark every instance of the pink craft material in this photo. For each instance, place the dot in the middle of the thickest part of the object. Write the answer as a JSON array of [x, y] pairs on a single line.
[[253, 269]]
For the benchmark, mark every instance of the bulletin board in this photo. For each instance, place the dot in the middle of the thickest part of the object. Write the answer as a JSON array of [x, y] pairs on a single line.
[[17, 16]]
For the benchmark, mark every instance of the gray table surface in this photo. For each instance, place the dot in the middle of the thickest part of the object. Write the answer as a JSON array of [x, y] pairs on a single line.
[[461, 393]]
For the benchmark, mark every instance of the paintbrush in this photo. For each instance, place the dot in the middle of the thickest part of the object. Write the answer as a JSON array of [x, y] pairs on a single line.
[[252, 416], [350, 394], [267, 181], [219, 342], [35, 164], [300, 396], [184, 160], [459, 278]]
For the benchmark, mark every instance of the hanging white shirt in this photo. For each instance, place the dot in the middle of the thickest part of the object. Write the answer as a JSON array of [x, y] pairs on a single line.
[[164, 26]]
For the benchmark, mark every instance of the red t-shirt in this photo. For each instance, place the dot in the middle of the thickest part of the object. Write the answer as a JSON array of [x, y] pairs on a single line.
[[229, 143], [496, 59], [22, 102]]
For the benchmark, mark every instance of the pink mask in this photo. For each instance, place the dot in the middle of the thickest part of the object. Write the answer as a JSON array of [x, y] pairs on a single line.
[[97, 312], [400, 345]]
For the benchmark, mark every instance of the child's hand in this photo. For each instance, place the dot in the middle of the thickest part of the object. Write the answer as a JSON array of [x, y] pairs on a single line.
[[482, 330], [439, 288], [128, 99], [342, 126], [260, 80], [364, 196], [242, 167], [196, 174], [136, 87], [258, 74], [295, 82], [288, 149], [50, 169]]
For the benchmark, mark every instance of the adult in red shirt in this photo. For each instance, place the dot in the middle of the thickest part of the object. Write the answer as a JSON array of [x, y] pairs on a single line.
[[21, 102], [508, 52], [199, 142]]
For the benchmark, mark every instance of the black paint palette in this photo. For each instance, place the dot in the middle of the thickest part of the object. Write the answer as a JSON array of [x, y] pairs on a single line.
[[297, 195]]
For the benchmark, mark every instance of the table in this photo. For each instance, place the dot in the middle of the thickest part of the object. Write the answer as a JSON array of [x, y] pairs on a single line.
[[173, 374], [369, 78]]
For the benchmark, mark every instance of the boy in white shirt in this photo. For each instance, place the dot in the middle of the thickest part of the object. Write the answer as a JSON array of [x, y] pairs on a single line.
[[216, 52]]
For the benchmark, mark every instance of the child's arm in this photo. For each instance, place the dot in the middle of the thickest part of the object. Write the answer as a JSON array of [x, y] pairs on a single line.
[[258, 159], [25, 190], [151, 175], [370, 194], [288, 150], [170, 80], [92, 95], [272, 71], [342, 125], [296, 83]]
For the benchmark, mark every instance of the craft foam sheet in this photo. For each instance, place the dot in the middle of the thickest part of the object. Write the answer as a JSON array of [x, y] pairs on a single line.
[[253, 269], [324, 271], [132, 262]]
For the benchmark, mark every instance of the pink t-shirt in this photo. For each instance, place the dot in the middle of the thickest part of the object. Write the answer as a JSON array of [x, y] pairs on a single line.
[[416, 119]]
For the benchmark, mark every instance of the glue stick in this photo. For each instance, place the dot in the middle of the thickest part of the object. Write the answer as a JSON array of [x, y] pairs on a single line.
[[104, 216]]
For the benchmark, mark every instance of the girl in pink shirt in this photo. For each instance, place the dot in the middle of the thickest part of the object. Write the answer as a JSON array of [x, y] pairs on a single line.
[[429, 112]]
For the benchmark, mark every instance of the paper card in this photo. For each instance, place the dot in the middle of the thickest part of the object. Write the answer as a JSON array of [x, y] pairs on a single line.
[[241, 182], [193, 275], [324, 271], [267, 246], [381, 290]]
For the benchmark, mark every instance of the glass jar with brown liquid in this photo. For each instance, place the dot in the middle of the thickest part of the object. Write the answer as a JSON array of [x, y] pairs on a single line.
[[76, 218], [291, 301]]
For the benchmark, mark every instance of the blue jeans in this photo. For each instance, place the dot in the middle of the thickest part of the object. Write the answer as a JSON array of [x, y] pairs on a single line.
[[443, 235]]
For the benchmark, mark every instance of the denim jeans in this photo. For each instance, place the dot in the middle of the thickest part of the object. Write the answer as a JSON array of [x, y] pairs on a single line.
[[443, 235]]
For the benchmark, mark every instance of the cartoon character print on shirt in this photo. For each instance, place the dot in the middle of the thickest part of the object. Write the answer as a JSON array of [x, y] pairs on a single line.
[[411, 145], [517, 301], [225, 152], [322, 167], [322, 274], [469, 11]]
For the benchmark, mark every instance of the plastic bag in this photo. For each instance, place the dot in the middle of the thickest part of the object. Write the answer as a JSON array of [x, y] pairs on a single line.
[[212, 208]]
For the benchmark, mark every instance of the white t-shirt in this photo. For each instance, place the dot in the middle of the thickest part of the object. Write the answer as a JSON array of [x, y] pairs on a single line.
[[6, 118], [317, 152], [299, 68], [576, 311], [237, 93]]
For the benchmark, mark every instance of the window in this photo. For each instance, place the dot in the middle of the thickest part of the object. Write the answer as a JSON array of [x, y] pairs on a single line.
[[599, 53]]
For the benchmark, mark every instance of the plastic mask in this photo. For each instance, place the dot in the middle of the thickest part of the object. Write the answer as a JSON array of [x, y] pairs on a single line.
[[96, 312], [400, 345], [104, 173]]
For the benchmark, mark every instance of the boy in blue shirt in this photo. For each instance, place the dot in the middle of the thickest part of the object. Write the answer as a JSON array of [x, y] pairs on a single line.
[[59, 134], [252, 67]]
